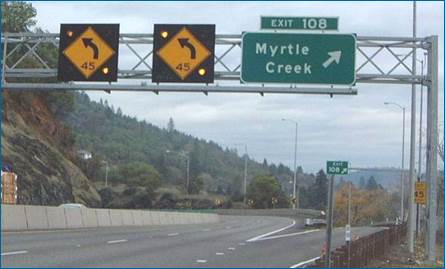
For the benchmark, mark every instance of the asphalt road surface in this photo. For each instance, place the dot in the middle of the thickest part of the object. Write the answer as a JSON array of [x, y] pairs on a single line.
[[236, 241]]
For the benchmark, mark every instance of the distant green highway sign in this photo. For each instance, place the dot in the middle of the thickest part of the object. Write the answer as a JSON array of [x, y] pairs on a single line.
[[299, 23], [337, 167], [298, 58]]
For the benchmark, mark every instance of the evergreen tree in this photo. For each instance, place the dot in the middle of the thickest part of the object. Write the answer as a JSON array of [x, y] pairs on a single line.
[[318, 192], [265, 165], [170, 125], [372, 184], [362, 183]]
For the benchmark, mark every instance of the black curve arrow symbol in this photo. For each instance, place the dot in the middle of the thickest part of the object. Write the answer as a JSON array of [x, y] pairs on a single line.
[[184, 42], [88, 42]]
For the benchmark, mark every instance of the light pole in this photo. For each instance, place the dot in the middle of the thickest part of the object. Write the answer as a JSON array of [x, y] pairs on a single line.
[[245, 173], [295, 196], [106, 173], [402, 187], [187, 159], [419, 171]]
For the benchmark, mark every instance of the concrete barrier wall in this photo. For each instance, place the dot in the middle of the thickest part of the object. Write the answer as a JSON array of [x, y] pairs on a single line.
[[127, 217], [155, 217], [73, 218], [89, 217], [137, 217], [13, 217], [56, 217], [116, 217], [24, 217], [103, 217], [36, 217]]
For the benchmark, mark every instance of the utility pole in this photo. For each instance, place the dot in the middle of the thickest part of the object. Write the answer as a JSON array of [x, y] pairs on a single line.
[[412, 158], [188, 173], [106, 173], [295, 197], [431, 152], [329, 221], [245, 173], [245, 176], [348, 229], [419, 169], [402, 173]]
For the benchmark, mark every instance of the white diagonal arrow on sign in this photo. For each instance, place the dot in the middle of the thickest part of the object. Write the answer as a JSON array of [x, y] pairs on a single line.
[[333, 56]]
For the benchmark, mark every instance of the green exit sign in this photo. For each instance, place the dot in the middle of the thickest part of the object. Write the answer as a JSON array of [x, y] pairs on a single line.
[[299, 23], [337, 167], [293, 58]]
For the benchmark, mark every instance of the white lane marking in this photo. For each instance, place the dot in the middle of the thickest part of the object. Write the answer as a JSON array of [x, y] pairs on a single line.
[[173, 234], [201, 261], [117, 241], [206, 230], [270, 233], [14, 252], [219, 253], [287, 235], [78, 246], [231, 248], [241, 244], [304, 263]]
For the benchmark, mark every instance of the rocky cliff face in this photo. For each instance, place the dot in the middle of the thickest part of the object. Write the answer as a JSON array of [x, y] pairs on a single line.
[[34, 142]]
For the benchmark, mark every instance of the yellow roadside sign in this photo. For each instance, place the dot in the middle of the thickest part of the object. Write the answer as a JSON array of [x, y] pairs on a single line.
[[184, 53], [420, 193], [89, 52]]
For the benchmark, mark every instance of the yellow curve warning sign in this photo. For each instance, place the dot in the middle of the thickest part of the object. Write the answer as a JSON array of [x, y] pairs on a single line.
[[184, 53], [89, 52]]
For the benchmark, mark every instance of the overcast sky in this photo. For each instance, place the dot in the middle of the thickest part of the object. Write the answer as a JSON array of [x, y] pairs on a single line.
[[355, 128]]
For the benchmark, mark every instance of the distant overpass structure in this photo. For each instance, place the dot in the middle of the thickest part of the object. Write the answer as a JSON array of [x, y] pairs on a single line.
[[379, 169]]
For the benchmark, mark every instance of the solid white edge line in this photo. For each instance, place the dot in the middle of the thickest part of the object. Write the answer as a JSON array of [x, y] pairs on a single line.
[[270, 233], [117, 241], [201, 261], [303, 263], [14, 252], [287, 235]]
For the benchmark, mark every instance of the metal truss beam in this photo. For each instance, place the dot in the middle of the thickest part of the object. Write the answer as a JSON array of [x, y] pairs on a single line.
[[227, 59], [181, 88]]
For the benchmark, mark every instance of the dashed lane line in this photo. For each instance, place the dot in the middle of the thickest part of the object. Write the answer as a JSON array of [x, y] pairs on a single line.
[[14, 252], [117, 241], [173, 234]]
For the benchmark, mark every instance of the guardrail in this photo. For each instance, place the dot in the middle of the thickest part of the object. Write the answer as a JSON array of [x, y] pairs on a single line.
[[28, 217], [364, 249]]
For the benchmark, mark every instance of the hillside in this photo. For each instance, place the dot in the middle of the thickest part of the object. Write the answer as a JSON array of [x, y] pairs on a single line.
[[35, 144], [123, 141], [390, 180]]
